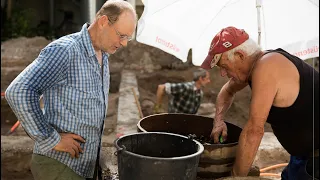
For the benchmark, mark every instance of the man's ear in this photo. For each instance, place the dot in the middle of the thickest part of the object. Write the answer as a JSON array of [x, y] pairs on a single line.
[[201, 78], [103, 21], [240, 55]]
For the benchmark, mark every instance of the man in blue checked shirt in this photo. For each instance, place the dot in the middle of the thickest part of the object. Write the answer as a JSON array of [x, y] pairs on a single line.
[[72, 74], [184, 97]]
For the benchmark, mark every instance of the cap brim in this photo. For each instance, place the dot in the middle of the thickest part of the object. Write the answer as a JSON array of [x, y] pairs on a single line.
[[206, 63]]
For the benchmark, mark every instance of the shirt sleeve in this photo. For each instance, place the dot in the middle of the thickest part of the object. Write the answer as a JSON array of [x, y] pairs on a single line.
[[175, 88], [25, 90]]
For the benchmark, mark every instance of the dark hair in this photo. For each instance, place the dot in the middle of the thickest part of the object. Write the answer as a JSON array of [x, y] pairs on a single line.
[[199, 73]]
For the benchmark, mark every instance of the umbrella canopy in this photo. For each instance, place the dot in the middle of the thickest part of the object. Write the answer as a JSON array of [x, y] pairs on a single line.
[[176, 26]]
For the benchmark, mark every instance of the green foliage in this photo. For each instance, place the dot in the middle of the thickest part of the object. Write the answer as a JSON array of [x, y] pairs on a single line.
[[19, 24]]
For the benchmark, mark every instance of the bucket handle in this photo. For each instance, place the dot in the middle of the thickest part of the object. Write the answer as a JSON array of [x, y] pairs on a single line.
[[122, 148], [192, 136]]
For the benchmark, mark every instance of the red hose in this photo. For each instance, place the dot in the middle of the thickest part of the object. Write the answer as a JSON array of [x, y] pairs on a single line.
[[263, 170], [14, 127], [273, 166], [270, 174]]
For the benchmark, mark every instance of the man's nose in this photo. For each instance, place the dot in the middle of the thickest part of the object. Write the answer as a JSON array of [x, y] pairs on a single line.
[[223, 72], [124, 42]]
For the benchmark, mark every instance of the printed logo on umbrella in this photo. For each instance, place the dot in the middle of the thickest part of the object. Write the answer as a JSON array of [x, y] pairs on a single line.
[[167, 44]]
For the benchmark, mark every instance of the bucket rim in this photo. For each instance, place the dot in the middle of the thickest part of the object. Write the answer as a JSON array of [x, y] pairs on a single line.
[[205, 145], [309, 175], [198, 153]]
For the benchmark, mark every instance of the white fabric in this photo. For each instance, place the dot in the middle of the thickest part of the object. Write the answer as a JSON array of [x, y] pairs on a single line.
[[176, 26], [167, 88]]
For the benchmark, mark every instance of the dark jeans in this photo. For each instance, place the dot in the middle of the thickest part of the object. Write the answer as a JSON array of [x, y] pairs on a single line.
[[299, 166]]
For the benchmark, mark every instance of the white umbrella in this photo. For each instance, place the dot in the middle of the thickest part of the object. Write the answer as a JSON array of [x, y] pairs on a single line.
[[176, 26]]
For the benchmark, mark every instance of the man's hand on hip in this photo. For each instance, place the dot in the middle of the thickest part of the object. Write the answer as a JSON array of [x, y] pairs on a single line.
[[70, 143]]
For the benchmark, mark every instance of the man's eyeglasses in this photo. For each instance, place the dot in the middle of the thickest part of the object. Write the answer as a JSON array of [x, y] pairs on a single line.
[[121, 36]]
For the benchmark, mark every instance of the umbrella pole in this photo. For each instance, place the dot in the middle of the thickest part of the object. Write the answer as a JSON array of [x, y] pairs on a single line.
[[258, 5]]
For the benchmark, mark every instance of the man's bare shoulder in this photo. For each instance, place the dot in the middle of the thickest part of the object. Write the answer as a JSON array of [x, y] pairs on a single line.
[[272, 64]]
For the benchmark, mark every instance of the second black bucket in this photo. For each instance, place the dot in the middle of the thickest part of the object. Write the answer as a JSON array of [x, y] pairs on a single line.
[[217, 160], [157, 156]]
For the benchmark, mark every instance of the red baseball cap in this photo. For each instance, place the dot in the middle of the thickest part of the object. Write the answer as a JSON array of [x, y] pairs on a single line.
[[228, 38]]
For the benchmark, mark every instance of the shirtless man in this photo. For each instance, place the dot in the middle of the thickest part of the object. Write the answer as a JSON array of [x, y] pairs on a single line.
[[285, 93]]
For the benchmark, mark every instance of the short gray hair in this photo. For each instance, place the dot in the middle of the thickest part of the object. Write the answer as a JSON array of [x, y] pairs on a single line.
[[199, 73], [249, 46], [114, 8]]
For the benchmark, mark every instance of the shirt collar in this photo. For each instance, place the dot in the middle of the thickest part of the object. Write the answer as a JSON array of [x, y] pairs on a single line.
[[87, 43], [194, 86]]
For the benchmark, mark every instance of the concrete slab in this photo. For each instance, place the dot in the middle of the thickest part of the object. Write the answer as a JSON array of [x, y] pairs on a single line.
[[128, 112], [127, 119]]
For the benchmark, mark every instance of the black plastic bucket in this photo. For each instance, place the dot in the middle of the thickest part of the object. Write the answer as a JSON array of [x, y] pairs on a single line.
[[312, 169], [217, 160], [157, 156]]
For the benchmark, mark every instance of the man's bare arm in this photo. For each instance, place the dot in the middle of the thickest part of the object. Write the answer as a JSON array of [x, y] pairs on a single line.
[[225, 98], [160, 92], [264, 89], [223, 103]]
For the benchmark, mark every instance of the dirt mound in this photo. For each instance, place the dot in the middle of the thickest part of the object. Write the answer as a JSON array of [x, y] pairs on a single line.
[[17, 54]]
